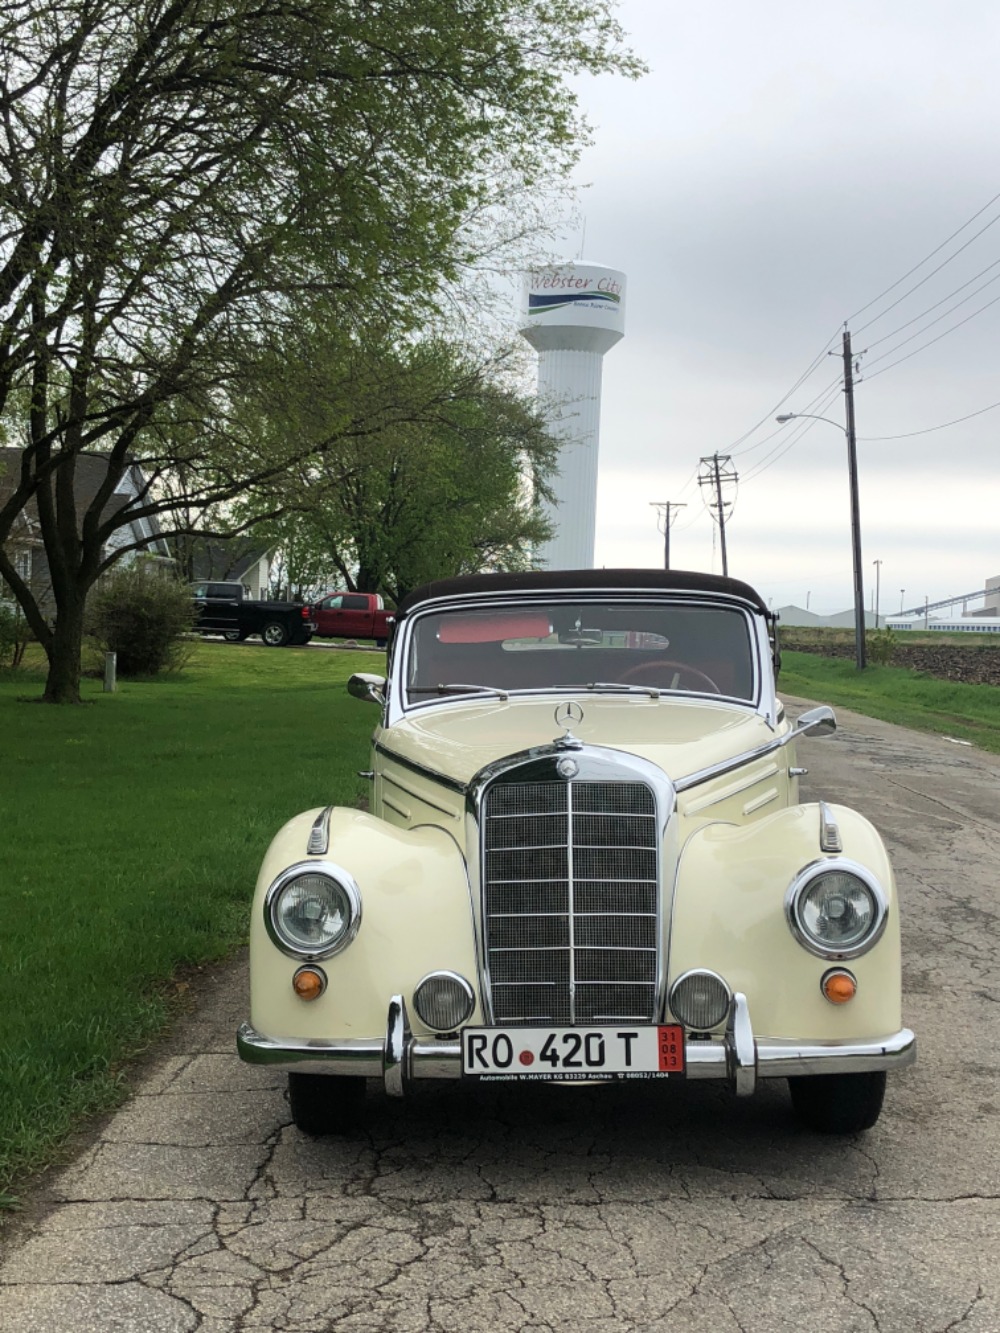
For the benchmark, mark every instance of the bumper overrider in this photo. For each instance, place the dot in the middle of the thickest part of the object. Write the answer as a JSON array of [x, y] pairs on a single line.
[[737, 1057]]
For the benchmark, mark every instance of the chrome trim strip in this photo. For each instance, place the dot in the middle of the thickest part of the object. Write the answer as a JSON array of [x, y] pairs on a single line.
[[431, 774], [319, 834], [733, 789], [805, 724], [703, 1059], [801, 882], [340, 876], [412, 791], [829, 831]]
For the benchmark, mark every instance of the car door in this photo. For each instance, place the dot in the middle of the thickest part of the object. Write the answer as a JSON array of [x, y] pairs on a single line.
[[326, 614], [222, 608], [356, 616]]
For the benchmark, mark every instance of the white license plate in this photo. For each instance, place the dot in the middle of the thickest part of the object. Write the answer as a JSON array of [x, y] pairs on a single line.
[[569, 1054]]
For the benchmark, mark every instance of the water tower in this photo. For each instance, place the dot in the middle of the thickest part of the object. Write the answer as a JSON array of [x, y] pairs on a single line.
[[572, 314]]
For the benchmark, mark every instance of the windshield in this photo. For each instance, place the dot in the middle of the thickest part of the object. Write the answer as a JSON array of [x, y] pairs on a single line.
[[612, 646]]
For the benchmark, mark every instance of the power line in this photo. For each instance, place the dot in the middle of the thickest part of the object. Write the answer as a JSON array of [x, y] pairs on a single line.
[[740, 453], [875, 360], [925, 345], [869, 439], [779, 451], [937, 249], [900, 327], [768, 416]]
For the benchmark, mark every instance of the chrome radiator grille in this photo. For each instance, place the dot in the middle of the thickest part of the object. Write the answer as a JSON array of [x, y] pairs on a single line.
[[569, 901]]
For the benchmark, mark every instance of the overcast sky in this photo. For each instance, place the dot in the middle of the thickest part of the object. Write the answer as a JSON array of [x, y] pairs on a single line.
[[781, 165]]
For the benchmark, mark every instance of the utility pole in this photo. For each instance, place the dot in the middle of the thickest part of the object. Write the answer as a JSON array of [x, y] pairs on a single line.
[[878, 594], [860, 651], [718, 469], [665, 510]]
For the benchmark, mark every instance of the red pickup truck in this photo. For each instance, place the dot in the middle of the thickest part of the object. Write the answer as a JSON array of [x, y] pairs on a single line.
[[351, 615]]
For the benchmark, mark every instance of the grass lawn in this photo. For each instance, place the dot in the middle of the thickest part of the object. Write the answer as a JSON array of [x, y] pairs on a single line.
[[132, 832], [897, 694]]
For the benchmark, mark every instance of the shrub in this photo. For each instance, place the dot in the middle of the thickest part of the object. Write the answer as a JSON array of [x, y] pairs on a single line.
[[881, 646], [142, 616], [14, 635]]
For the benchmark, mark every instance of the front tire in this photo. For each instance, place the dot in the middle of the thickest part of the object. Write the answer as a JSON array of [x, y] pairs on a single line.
[[274, 634], [838, 1103], [326, 1104], [233, 636]]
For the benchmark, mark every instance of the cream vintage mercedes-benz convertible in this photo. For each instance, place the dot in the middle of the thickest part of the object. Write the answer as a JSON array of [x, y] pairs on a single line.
[[586, 860]]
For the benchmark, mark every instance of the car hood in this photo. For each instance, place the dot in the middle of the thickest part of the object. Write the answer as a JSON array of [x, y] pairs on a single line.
[[680, 736]]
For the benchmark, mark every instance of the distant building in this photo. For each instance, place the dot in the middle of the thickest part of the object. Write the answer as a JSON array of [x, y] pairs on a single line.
[[25, 545], [802, 619], [227, 559], [991, 602]]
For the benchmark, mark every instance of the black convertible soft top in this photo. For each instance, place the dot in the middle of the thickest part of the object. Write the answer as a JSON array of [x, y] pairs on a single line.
[[591, 580]]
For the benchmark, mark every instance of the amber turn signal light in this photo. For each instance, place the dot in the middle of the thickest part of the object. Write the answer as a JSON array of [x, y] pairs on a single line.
[[309, 983], [839, 985]]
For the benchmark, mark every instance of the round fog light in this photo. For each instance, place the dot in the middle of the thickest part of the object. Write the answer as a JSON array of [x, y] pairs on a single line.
[[700, 1000], [444, 1001]]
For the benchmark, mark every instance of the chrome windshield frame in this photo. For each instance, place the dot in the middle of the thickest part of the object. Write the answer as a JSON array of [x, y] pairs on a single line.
[[763, 700]]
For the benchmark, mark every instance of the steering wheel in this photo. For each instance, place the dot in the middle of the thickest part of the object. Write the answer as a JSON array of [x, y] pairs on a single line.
[[645, 668]]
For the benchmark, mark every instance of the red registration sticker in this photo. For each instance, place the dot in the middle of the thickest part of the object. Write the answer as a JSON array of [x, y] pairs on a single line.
[[671, 1048]]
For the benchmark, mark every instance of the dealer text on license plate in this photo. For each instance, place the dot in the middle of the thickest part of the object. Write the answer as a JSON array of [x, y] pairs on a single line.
[[620, 1052]]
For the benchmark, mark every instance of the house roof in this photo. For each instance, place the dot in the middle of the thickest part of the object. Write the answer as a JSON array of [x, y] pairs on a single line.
[[89, 472], [226, 557], [564, 580]]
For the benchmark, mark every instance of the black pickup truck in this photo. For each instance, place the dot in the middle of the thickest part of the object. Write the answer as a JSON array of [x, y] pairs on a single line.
[[224, 608]]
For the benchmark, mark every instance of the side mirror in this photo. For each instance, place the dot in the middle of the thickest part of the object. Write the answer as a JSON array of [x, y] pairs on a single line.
[[364, 685], [820, 721]]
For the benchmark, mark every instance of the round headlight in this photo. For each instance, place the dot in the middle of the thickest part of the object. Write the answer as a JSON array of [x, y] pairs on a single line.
[[837, 909], [312, 910], [699, 1000], [444, 1001]]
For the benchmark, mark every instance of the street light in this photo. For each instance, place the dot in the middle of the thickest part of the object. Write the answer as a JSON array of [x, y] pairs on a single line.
[[860, 654], [902, 594], [878, 575]]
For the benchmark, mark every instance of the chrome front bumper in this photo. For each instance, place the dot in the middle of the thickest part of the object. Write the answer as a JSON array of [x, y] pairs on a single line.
[[737, 1057]]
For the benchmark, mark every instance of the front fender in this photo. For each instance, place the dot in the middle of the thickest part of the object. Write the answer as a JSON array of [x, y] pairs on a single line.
[[729, 916], [416, 918]]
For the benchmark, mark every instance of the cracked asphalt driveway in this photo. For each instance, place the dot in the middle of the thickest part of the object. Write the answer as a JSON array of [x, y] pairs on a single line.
[[199, 1207]]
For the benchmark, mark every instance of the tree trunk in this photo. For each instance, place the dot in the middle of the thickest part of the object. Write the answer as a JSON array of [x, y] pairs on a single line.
[[62, 686]]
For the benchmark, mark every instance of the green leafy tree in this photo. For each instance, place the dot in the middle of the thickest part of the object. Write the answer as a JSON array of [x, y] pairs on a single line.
[[433, 464], [178, 176]]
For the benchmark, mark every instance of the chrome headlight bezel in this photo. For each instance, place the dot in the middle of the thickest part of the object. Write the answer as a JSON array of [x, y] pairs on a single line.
[[337, 875], [800, 886]]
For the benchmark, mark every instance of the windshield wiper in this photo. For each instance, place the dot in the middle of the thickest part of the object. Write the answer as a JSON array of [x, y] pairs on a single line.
[[454, 687], [626, 688]]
